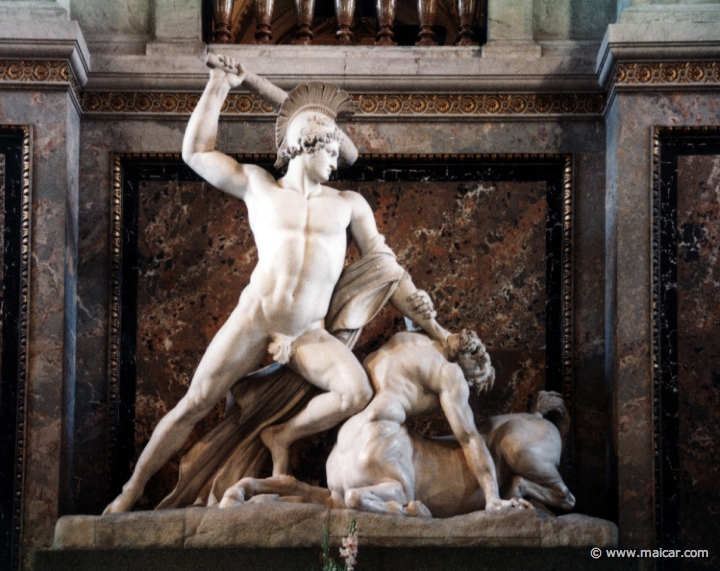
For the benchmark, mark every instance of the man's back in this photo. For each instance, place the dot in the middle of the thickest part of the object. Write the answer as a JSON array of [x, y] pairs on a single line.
[[401, 373]]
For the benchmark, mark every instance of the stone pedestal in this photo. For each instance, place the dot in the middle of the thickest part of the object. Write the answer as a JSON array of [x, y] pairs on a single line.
[[280, 524]]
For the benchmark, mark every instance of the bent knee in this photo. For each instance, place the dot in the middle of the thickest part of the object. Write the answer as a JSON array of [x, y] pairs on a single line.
[[356, 400]]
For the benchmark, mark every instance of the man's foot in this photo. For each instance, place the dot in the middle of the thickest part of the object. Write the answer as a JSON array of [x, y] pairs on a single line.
[[123, 503], [278, 450]]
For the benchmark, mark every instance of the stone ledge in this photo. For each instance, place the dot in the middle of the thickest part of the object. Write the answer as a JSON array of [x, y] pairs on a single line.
[[569, 68], [280, 524]]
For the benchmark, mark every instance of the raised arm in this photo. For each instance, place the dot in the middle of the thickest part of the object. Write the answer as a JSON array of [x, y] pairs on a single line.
[[199, 151]]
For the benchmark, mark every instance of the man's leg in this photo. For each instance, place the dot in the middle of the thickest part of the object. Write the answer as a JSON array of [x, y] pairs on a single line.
[[332, 367], [235, 351]]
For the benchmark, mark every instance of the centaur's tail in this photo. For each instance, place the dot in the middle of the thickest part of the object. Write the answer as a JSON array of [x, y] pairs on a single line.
[[551, 405]]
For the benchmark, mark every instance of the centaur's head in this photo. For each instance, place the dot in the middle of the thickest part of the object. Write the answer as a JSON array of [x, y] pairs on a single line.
[[306, 125], [466, 349]]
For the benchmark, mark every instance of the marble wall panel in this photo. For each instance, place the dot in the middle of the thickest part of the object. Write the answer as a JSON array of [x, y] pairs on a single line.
[[628, 255], [477, 248], [98, 140], [100, 137], [47, 112], [698, 330]]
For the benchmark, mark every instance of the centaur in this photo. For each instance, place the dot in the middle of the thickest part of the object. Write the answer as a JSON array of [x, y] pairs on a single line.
[[379, 466]]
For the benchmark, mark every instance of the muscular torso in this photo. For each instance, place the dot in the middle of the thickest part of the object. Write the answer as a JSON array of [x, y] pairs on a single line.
[[402, 374], [301, 249]]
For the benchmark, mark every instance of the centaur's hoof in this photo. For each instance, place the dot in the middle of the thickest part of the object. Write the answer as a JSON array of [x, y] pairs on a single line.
[[418, 509]]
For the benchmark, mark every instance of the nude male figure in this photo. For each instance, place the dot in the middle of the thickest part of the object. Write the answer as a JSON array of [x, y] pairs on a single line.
[[299, 227]]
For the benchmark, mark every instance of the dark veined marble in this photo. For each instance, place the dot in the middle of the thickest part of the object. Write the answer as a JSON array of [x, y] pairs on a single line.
[[11, 413], [698, 283], [2, 247], [689, 327], [477, 246]]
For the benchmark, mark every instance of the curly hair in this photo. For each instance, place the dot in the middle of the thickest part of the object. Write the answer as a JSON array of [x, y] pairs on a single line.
[[311, 145], [471, 355]]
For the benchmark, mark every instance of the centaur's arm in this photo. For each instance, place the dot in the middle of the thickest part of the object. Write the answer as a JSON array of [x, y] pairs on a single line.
[[453, 390]]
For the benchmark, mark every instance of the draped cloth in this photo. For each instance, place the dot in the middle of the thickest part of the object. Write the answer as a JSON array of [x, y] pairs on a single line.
[[233, 450]]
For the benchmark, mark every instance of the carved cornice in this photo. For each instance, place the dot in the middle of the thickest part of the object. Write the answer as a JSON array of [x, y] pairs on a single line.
[[48, 73], [675, 74], [402, 105], [627, 75]]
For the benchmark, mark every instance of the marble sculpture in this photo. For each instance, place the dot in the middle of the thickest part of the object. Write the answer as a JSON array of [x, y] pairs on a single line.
[[379, 466], [307, 312], [300, 306]]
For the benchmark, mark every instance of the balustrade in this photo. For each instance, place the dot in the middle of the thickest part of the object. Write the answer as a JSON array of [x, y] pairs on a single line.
[[462, 14]]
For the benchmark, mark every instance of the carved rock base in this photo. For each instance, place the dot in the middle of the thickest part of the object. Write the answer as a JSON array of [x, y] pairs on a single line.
[[281, 524]]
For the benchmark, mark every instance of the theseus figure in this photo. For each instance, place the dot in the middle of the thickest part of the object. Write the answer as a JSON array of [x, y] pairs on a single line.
[[300, 228]]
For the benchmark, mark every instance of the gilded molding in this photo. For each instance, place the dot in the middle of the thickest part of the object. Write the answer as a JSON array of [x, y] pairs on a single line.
[[656, 329], [669, 73], [21, 414], [39, 72], [627, 74], [568, 329], [567, 279], [480, 104], [365, 104], [113, 402]]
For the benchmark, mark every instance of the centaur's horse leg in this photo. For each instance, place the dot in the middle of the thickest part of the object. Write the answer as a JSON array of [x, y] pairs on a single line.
[[553, 493], [385, 498], [281, 485]]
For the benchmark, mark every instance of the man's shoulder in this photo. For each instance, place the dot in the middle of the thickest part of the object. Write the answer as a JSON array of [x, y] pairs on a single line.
[[355, 200]]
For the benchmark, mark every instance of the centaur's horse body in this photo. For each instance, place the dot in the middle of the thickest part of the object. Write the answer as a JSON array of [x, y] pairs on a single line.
[[379, 466]]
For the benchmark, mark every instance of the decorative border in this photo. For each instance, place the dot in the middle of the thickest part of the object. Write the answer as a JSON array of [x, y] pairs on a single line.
[[24, 311], [660, 327], [402, 105], [113, 416], [656, 331], [626, 74], [567, 280], [670, 73], [43, 72], [116, 259]]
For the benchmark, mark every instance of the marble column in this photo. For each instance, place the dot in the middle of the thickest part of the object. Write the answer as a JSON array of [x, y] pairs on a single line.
[[643, 96], [510, 30], [50, 53]]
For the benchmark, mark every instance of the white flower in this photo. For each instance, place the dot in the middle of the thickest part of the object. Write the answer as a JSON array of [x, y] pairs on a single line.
[[349, 550]]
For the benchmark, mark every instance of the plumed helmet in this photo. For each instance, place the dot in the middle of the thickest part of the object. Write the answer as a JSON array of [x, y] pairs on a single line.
[[311, 109]]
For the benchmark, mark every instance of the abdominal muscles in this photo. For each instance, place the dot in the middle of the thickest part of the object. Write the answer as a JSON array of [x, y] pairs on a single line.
[[295, 278]]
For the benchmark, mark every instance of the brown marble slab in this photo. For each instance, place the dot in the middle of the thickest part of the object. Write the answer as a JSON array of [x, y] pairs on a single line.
[[477, 248], [698, 260]]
